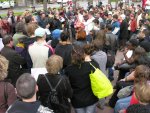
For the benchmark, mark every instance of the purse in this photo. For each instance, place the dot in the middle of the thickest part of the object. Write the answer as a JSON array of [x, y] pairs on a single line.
[[100, 84], [125, 92]]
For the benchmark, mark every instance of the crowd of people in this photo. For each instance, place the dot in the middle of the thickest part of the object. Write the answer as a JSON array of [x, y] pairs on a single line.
[[66, 42]]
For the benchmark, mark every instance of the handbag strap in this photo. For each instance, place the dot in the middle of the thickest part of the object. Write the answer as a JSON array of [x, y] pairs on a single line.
[[92, 65], [50, 83]]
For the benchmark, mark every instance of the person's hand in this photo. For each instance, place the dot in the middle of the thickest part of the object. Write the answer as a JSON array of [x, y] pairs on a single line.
[[122, 79], [122, 111], [125, 51]]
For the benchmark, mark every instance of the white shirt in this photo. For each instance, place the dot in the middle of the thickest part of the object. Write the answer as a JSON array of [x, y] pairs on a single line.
[[1, 44], [39, 54], [89, 25], [147, 4], [138, 19]]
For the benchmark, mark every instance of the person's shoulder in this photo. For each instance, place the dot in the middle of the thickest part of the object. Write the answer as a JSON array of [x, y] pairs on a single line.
[[43, 109]]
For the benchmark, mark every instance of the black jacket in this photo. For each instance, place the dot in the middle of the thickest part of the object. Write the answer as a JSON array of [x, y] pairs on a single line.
[[81, 85], [64, 90], [15, 62], [65, 52], [124, 30]]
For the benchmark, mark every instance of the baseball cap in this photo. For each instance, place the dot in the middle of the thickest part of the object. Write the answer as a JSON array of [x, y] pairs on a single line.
[[40, 32], [109, 13]]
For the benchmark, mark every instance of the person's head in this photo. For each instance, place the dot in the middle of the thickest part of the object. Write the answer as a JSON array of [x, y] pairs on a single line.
[[20, 27], [64, 36], [132, 16], [54, 64], [7, 40], [115, 17], [143, 33], [122, 17], [145, 45], [3, 67], [26, 13], [31, 28], [33, 8], [102, 26], [97, 45], [40, 33], [139, 51], [132, 44], [108, 27], [10, 13], [70, 8], [110, 15], [138, 6], [142, 73], [137, 108], [105, 15], [142, 92], [26, 86], [42, 14], [28, 19], [88, 49], [90, 14], [77, 55], [96, 22]]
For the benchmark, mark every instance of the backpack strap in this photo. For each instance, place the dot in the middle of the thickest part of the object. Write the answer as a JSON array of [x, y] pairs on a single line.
[[5, 92], [50, 83], [52, 50]]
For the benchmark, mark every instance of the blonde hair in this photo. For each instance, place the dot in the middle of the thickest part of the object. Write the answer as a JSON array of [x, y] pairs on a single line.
[[54, 64], [26, 13], [142, 91], [3, 67]]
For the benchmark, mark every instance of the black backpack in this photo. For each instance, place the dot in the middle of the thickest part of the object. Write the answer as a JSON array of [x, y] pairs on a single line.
[[53, 99]]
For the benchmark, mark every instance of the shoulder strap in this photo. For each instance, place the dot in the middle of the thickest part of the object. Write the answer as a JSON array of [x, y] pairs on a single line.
[[92, 65], [5, 92], [52, 50], [50, 83]]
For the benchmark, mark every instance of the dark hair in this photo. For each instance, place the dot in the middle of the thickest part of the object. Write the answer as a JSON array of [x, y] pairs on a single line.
[[88, 49], [145, 45], [6, 39], [28, 19], [64, 36], [115, 16], [97, 45], [105, 14], [77, 55], [134, 42], [109, 27], [137, 108], [102, 25], [20, 27], [96, 21], [26, 86]]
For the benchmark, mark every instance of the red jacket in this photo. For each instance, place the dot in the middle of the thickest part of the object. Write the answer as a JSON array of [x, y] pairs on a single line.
[[133, 25]]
